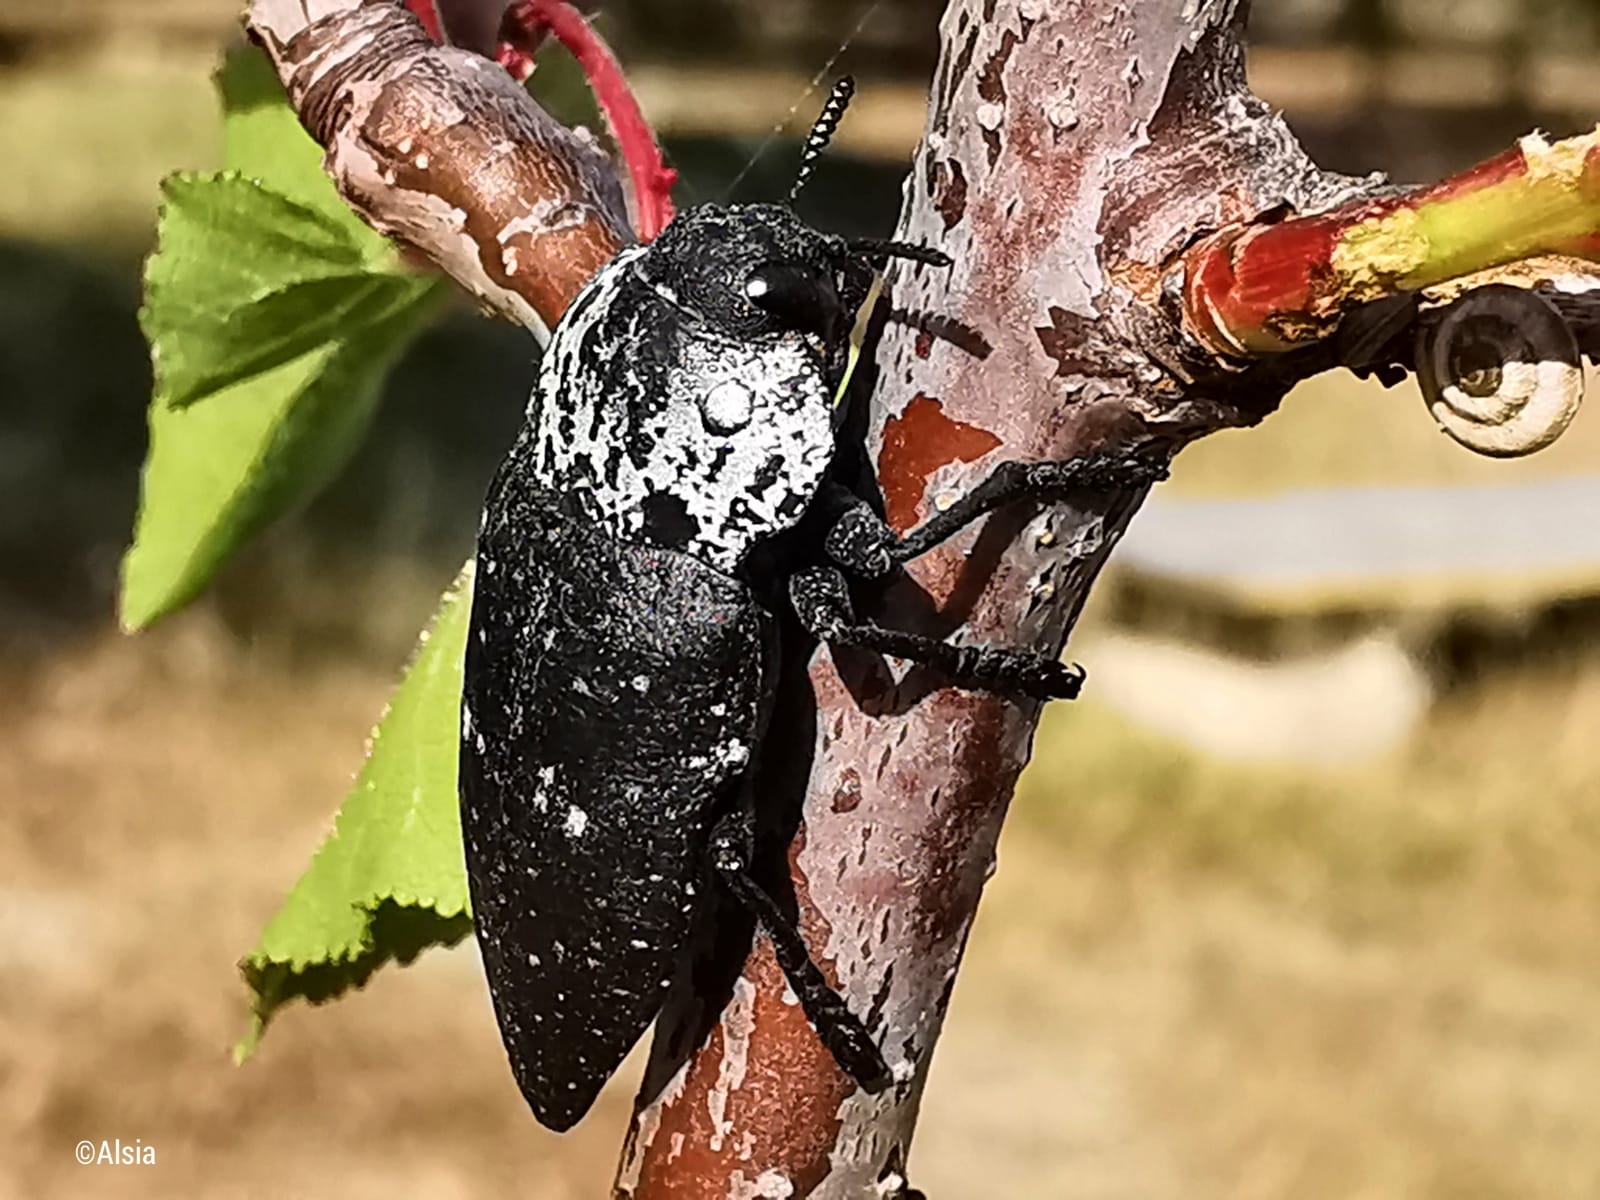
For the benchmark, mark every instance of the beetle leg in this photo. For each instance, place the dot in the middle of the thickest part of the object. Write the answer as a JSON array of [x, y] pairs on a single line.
[[861, 542], [821, 599], [1011, 482], [841, 1031]]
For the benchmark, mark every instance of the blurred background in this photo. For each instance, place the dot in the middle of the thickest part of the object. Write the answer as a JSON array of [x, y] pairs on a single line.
[[1302, 901]]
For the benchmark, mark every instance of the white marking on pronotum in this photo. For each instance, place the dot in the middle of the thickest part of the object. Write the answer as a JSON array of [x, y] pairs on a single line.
[[735, 491], [727, 407], [738, 1021]]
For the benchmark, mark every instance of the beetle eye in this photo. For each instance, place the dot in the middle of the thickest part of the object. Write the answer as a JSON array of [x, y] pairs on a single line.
[[798, 297]]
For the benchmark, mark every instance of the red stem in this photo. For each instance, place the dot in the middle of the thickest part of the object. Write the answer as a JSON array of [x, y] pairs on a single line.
[[427, 12], [527, 22], [1261, 289]]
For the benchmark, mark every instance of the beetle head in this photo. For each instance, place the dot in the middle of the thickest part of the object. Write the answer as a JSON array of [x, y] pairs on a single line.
[[754, 271]]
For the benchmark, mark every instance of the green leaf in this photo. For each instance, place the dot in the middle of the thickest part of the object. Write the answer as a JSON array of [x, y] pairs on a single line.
[[263, 309], [290, 281], [390, 880], [269, 300]]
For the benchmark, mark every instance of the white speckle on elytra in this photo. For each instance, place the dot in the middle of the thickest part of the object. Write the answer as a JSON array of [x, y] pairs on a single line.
[[639, 944], [641, 684], [577, 822], [991, 116], [533, 960], [422, 161]]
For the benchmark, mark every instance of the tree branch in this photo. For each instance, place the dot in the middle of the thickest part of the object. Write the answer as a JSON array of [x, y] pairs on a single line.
[[1072, 150], [1251, 290], [1077, 153], [440, 148]]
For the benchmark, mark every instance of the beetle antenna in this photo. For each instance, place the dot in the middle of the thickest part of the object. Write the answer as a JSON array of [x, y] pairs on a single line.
[[879, 250], [822, 132]]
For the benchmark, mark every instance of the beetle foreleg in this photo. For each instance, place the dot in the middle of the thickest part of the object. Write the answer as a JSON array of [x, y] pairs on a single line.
[[821, 599], [841, 1031], [1012, 482]]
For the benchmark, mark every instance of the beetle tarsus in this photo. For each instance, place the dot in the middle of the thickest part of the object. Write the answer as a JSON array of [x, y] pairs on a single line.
[[840, 1030], [821, 599]]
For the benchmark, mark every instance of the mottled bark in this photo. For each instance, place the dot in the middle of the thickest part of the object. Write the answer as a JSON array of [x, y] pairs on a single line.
[[1073, 149], [1088, 164], [440, 148]]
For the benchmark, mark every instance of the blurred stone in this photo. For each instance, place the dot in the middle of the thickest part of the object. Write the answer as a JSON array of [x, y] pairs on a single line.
[[1352, 703]]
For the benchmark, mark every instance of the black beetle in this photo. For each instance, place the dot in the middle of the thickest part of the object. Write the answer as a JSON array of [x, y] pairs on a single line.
[[636, 549]]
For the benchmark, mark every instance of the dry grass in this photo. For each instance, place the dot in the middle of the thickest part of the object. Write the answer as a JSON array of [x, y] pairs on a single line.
[[1337, 431], [1206, 981], [1189, 980]]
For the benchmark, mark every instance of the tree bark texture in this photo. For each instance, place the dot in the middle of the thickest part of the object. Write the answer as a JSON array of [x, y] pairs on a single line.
[[1115, 202], [441, 149], [1073, 149]]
